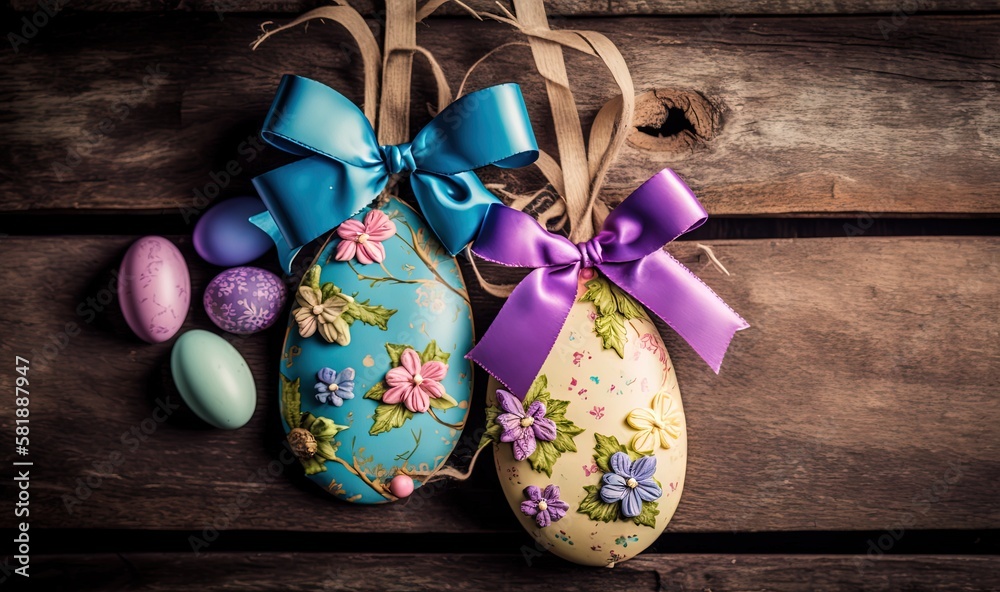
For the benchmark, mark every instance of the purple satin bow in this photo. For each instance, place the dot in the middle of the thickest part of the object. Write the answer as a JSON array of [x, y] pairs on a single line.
[[627, 250]]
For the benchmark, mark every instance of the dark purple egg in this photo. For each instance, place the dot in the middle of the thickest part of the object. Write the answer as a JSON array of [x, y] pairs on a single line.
[[224, 235], [244, 300]]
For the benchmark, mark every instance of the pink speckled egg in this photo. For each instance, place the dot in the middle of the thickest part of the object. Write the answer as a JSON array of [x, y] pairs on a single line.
[[244, 300], [154, 289]]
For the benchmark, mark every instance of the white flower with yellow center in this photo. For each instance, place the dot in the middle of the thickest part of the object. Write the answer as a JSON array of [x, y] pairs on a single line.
[[315, 313], [657, 425]]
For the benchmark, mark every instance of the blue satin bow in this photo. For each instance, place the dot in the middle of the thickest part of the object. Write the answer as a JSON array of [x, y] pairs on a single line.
[[345, 168]]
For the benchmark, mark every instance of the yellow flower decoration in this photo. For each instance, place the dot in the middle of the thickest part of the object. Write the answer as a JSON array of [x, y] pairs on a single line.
[[656, 425], [315, 313]]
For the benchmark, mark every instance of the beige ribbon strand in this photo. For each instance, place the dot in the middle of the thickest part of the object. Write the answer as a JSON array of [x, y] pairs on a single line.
[[611, 127], [551, 65], [400, 34], [355, 24]]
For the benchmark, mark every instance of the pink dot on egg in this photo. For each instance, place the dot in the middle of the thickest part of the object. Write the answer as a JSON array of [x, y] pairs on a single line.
[[401, 486], [588, 273]]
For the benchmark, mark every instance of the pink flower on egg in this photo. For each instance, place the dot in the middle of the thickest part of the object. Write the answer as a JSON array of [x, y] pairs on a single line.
[[414, 383], [364, 239]]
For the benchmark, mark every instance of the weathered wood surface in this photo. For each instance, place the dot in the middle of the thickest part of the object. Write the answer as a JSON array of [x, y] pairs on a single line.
[[804, 116], [863, 398], [326, 571], [603, 8]]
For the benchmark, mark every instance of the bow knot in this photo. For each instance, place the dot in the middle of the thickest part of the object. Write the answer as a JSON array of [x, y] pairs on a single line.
[[398, 159], [628, 251], [591, 253], [345, 168]]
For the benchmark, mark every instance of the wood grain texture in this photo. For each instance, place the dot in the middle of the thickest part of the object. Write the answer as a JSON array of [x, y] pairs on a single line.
[[812, 116], [318, 571], [862, 398], [602, 8]]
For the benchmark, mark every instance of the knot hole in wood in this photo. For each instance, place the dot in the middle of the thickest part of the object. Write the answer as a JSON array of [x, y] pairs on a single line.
[[675, 121]]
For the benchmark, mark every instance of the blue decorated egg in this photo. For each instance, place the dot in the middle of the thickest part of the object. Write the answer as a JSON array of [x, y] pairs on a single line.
[[224, 235], [374, 386], [244, 300]]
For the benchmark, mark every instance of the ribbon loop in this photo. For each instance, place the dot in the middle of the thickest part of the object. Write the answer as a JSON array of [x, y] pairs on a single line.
[[627, 250], [345, 168]]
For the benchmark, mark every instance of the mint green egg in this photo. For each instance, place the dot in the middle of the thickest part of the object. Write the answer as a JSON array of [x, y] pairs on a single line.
[[213, 379]]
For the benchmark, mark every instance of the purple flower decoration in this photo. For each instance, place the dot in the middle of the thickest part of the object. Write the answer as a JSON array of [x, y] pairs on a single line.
[[545, 506], [333, 387], [523, 428], [631, 483]]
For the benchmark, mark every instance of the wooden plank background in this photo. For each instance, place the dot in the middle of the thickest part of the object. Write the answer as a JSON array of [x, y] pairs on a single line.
[[863, 399], [816, 116], [844, 334], [319, 571]]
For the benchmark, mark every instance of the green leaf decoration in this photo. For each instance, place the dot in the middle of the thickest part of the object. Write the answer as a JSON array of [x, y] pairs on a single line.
[[395, 350], [291, 403], [445, 401], [493, 429], [329, 291], [322, 428], [375, 393], [546, 453], [599, 292], [627, 305], [376, 316], [597, 509], [614, 307], [607, 446], [647, 517], [311, 278], [544, 457], [611, 329], [388, 417], [538, 387], [564, 441], [593, 506], [313, 465], [327, 450], [432, 353]]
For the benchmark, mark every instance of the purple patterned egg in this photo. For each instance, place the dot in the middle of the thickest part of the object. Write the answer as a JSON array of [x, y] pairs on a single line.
[[244, 300], [154, 289]]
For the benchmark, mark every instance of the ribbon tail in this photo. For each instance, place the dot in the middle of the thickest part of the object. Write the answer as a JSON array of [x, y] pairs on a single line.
[[524, 333], [311, 196], [454, 206], [692, 309], [286, 256]]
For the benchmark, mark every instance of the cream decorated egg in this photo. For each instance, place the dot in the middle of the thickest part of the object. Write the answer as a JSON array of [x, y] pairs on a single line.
[[592, 459]]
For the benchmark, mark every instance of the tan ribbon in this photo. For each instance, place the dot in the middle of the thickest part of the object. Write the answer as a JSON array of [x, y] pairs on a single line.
[[583, 170]]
